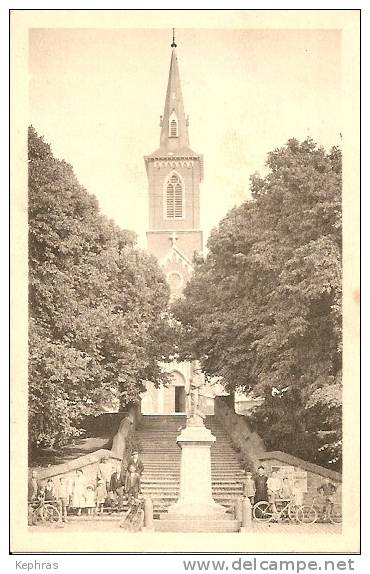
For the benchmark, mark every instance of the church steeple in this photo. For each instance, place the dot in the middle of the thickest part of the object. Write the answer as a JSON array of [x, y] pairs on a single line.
[[174, 176], [174, 124]]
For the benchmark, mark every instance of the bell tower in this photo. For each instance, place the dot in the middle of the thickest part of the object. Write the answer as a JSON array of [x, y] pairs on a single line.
[[174, 173]]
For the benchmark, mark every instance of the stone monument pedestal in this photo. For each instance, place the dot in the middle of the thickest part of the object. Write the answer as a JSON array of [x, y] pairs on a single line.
[[195, 510]]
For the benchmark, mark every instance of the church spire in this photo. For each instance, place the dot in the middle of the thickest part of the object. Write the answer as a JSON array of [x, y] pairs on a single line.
[[174, 132], [173, 45]]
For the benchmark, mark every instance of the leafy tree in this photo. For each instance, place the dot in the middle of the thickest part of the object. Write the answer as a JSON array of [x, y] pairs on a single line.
[[263, 310], [97, 304]]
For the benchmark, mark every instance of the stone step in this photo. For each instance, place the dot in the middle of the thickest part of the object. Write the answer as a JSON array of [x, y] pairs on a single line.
[[219, 490], [165, 464], [176, 450], [169, 481], [170, 498]]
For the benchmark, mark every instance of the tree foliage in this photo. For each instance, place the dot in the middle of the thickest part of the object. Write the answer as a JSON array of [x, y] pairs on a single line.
[[97, 304], [263, 310]]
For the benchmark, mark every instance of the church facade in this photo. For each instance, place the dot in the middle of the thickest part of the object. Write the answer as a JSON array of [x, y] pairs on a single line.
[[175, 173]]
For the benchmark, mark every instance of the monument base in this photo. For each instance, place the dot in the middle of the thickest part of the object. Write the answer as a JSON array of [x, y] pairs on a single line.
[[192, 510], [196, 511], [196, 525]]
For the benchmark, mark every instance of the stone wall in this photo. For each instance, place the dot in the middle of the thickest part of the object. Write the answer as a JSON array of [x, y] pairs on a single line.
[[315, 473], [243, 438], [253, 452], [88, 463]]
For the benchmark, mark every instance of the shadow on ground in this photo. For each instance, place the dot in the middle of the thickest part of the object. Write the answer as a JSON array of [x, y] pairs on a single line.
[[44, 457]]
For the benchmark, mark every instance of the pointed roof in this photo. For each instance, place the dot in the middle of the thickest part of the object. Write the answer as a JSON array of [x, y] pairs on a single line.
[[174, 108], [170, 144]]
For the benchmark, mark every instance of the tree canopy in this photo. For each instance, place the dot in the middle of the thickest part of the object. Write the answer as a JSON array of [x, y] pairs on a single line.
[[97, 304], [263, 309]]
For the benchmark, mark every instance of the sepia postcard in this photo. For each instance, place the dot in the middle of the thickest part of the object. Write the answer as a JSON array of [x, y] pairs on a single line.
[[185, 281]]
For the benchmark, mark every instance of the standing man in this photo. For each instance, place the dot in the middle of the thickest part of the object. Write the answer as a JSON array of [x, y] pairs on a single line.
[[136, 462], [33, 487], [260, 480], [273, 489], [327, 489], [249, 487], [105, 471], [117, 484]]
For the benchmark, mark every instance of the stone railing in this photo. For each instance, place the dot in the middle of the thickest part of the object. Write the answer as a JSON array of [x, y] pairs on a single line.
[[247, 442], [123, 439], [120, 450]]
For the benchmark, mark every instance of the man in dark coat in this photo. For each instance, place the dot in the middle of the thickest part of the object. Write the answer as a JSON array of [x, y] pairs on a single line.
[[117, 484], [136, 461], [260, 480], [132, 484], [33, 487]]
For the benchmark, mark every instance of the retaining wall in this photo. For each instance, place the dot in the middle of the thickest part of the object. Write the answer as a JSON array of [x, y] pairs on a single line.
[[315, 473], [243, 438]]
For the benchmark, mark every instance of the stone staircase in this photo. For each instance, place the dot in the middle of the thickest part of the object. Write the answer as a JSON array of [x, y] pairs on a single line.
[[161, 457]]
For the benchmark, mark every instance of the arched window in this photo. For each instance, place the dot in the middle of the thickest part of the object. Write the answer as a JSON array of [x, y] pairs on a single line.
[[174, 197]]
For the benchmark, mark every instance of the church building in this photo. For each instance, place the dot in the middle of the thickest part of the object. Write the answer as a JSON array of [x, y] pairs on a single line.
[[175, 173]]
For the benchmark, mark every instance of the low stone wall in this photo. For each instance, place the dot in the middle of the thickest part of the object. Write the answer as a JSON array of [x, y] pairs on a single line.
[[315, 473], [243, 438]]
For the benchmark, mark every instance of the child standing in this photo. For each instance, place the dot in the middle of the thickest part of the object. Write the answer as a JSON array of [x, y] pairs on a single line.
[[90, 499]]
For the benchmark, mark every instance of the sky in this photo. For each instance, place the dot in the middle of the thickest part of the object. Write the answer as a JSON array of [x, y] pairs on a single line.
[[96, 96]]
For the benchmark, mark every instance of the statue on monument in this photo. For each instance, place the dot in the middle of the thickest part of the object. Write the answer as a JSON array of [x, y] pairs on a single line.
[[195, 417]]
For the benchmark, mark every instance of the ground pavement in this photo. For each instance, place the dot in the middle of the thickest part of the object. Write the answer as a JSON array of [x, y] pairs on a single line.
[[96, 525]]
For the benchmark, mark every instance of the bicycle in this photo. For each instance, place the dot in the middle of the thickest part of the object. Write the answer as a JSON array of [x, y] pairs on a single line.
[[44, 511], [285, 509], [134, 517], [310, 513]]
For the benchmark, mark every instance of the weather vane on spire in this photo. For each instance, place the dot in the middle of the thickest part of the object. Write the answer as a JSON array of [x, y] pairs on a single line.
[[173, 45]]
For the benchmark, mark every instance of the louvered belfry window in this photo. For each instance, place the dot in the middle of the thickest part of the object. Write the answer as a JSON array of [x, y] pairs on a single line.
[[173, 128], [174, 198]]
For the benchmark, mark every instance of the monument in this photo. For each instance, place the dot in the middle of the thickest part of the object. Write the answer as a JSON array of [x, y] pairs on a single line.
[[195, 509]]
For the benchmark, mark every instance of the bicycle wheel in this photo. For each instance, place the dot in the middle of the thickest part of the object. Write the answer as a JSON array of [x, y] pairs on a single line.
[[336, 514], [262, 511], [306, 514], [52, 514]]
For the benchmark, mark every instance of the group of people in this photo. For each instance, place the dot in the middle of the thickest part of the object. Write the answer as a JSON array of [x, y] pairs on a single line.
[[111, 486], [269, 488], [273, 488]]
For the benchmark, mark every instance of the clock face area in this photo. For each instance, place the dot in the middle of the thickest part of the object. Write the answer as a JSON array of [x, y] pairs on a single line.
[[176, 282]]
